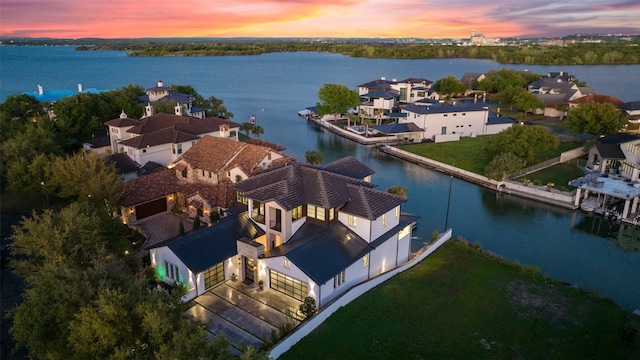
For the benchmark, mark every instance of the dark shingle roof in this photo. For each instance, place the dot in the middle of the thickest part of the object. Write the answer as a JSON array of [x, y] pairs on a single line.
[[349, 166], [631, 106], [390, 94], [444, 108], [369, 203], [124, 163], [204, 248], [322, 252], [98, 142], [609, 146]]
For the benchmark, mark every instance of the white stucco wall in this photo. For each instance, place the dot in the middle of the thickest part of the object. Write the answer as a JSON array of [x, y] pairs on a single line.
[[354, 274], [162, 254], [362, 228], [376, 225], [462, 123], [384, 258]]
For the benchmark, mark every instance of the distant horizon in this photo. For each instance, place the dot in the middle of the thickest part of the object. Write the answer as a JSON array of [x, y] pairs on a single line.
[[335, 19]]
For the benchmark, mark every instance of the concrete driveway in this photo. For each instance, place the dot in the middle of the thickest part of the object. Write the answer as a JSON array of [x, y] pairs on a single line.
[[246, 315]]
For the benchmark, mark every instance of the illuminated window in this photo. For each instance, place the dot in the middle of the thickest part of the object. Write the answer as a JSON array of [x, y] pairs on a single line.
[[365, 260], [320, 213], [384, 220], [339, 279], [351, 220], [286, 263], [332, 214], [311, 211], [240, 198], [296, 213], [397, 212]]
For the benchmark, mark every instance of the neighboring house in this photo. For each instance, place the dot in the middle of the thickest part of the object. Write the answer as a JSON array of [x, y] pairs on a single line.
[[381, 97], [471, 79], [99, 145], [446, 122], [554, 89], [197, 181], [160, 93], [632, 109], [163, 138], [307, 231], [125, 165], [615, 162]]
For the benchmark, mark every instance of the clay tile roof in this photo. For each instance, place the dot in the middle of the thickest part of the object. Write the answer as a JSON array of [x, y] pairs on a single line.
[[149, 187], [249, 158], [163, 136], [212, 153], [261, 142], [597, 98], [122, 122]]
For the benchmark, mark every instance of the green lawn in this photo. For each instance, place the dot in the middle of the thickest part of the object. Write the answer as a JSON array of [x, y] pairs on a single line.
[[469, 154], [462, 304], [559, 174]]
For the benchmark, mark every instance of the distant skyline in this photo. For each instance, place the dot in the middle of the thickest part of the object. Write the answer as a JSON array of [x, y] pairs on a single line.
[[316, 18]]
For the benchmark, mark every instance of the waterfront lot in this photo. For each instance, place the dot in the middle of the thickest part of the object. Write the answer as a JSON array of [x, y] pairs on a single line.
[[469, 153], [463, 304]]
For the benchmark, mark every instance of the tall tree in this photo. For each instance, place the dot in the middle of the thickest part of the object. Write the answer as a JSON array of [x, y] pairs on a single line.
[[215, 107], [449, 86], [336, 99], [313, 157], [89, 179], [257, 130], [247, 127], [597, 119], [528, 102], [508, 96], [523, 141], [33, 177]]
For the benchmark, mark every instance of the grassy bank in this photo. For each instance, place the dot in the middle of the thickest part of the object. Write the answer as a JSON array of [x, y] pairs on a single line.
[[463, 304], [469, 153]]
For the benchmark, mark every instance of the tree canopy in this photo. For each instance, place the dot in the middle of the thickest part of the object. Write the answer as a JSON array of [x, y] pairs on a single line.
[[502, 165], [313, 157], [496, 81], [449, 86], [527, 102], [336, 99], [597, 119], [522, 141]]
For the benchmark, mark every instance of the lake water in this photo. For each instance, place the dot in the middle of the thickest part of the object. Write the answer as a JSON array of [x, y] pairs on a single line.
[[566, 245]]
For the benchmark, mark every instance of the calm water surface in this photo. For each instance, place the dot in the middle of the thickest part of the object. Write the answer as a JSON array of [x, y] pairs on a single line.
[[566, 245]]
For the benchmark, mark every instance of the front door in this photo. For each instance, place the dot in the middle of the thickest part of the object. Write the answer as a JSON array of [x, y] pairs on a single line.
[[249, 270]]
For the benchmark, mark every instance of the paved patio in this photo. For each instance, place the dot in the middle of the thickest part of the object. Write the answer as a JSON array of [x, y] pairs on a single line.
[[245, 314]]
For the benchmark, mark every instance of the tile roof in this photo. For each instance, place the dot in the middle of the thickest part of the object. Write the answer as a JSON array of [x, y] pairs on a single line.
[[377, 84], [159, 137], [349, 166], [122, 122], [212, 153], [322, 252], [149, 187], [597, 98], [261, 142], [202, 249], [98, 142]]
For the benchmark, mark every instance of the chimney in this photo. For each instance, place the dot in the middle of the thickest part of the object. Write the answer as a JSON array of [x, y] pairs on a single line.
[[40, 91], [123, 115], [79, 88], [159, 83], [383, 78]]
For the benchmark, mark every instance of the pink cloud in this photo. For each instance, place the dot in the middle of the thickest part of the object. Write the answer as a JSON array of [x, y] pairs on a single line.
[[312, 18]]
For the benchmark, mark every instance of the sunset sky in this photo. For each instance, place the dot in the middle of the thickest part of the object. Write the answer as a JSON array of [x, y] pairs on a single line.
[[315, 18]]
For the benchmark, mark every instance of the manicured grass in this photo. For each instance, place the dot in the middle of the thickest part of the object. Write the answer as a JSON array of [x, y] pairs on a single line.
[[469, 153], [559, 174], [463, 304]]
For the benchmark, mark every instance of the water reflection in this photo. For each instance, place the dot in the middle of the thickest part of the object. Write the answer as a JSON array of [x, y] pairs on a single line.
[[625, 236]]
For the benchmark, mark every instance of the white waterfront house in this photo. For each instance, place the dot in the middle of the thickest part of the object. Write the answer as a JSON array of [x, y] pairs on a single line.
[[451, 121], [305, 231]]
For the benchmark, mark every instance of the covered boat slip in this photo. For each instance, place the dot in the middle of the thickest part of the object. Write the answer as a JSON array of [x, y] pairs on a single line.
[[606, 195]]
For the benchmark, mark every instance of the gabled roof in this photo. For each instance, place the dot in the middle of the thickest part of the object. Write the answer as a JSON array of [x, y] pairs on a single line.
[[369, 203], [381, 84], [609, 146], [398, 128], [596, 98], [186, 124], [204, 248], [260, 142], [441, 108], [149, 187], [413, 80], [322, 252], [298, 184]]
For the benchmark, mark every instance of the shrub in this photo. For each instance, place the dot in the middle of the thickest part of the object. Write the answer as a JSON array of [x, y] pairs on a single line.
[[537, 182], [196, 222], [214, 217], [434, 236], [181, 226], [308, 307]]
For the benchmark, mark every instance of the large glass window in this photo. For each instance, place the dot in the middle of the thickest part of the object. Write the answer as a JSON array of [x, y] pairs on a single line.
[[171, 271], [339, 279], [288, 285], [240, 198], [352, 220], [296, 213]]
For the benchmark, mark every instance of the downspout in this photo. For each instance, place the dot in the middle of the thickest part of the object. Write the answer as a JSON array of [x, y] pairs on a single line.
[[398, 249]]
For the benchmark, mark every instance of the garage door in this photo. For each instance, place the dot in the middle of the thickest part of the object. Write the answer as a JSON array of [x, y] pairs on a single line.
[[151, 208], [288, 285]]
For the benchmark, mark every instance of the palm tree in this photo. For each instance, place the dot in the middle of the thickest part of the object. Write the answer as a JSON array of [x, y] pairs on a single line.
[[257, 130], [313, 157], [246, 127]]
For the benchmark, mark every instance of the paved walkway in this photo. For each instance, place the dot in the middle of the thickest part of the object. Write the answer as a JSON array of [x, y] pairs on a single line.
[[246, 315]]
